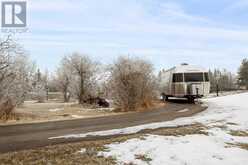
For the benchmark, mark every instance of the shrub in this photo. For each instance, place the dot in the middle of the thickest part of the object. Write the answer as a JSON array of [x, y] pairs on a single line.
[[132, 83]]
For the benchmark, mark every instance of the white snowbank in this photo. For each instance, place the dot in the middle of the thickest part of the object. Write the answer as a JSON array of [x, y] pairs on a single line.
[[190, 149], [226, 110]]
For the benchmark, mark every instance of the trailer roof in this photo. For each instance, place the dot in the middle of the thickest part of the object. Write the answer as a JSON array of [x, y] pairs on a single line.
[[189, 68]]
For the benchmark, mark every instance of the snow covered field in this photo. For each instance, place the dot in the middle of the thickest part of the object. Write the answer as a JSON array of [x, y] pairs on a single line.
[[225, 114], [189, 149]]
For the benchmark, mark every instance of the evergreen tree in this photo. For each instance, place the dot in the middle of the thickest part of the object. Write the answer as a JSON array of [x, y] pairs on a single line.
[[243, 73]]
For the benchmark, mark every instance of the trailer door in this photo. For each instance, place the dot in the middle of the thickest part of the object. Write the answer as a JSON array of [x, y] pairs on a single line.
[[178, 84]]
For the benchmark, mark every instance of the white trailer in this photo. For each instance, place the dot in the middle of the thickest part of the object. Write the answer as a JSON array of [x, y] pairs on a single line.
[[185, 81]]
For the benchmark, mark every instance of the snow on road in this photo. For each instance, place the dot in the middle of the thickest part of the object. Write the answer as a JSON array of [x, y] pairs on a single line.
[[223, 115]]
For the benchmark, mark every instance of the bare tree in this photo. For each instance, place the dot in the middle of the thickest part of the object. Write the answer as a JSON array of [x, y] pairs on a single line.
[[39, 88], [24, 70], [222, 80], [132, 82], [102, 77], [83, 79], [7, 47], [64, 78], [15, 75]]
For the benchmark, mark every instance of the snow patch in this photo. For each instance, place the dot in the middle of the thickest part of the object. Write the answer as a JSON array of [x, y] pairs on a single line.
[[184, 110], [190, 149], [82, 151], [128, 130], [56, 109], [76, 116]]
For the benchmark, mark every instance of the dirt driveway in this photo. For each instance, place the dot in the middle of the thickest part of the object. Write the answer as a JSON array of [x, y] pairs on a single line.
[[28, 136]]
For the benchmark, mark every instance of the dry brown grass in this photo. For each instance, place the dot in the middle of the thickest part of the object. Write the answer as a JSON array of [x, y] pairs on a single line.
[[180, 130], [239, 145], [59, 155], [40, 111], [6, 110], [33, 112], [11, 116], [69, 153], [155, 104], [144, 158], [242, 145], [16, 116], [147, 106], [238, 133]]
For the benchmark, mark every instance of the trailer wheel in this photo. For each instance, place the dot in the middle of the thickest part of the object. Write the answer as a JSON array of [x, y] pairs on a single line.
[[191, 100], [164, 97]]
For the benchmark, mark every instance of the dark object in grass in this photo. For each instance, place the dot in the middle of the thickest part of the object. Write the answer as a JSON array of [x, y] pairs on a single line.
[[97, 100]]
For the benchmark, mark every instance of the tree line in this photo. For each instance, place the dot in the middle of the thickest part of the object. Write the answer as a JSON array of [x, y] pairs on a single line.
[[226, 81], [130, 82]]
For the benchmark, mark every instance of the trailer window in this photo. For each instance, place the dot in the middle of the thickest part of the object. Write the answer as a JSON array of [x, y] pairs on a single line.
[[193, 77], [206, 76], [178, 77]]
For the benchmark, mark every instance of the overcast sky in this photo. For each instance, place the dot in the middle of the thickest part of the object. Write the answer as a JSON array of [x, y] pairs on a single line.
[[211, 33]]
